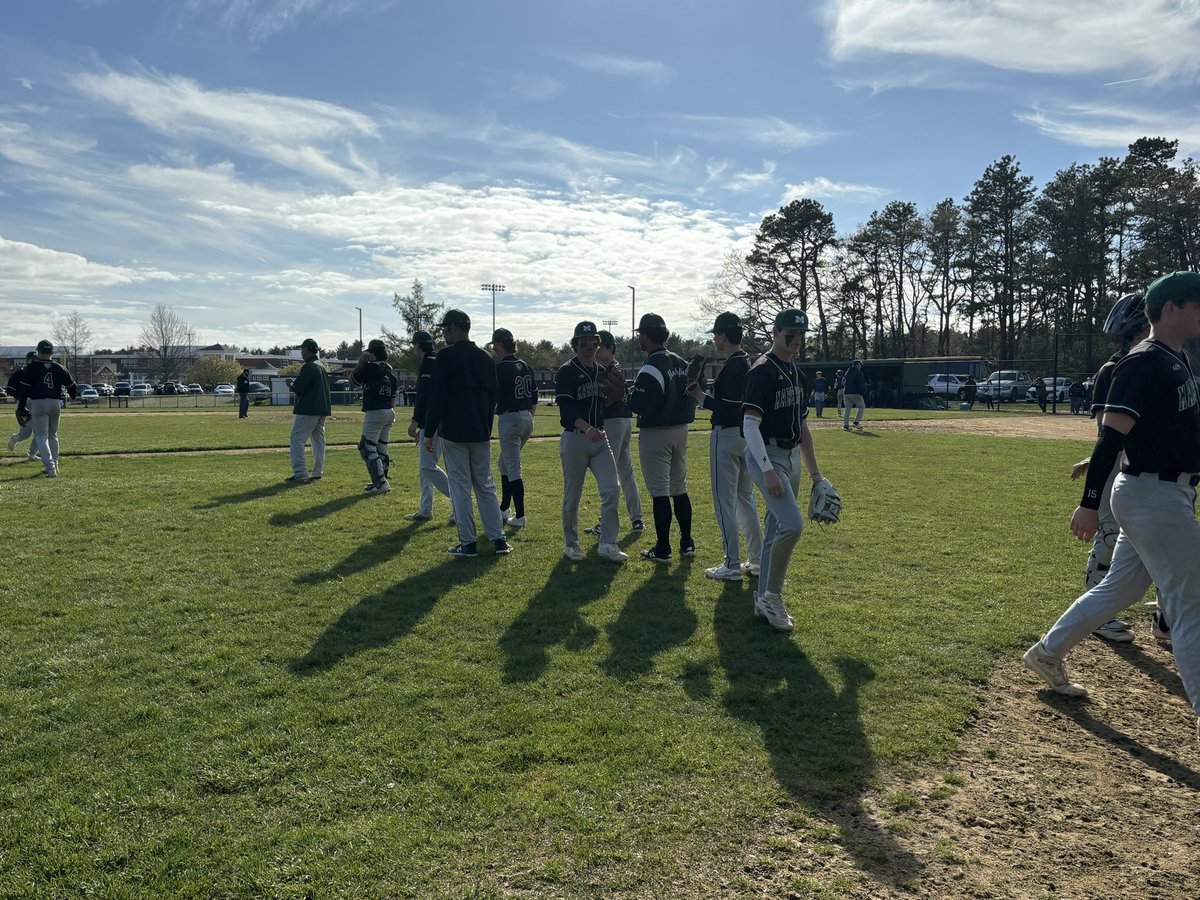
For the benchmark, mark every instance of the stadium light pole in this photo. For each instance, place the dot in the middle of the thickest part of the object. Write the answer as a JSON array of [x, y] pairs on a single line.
[[633, 309], [494, 288]]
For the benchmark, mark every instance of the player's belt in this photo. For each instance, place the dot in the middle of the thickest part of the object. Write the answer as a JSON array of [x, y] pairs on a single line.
[[1191, 479], [781, 444]]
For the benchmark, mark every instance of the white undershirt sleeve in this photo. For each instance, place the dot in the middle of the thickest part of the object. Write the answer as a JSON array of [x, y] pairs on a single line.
[[756, 447]]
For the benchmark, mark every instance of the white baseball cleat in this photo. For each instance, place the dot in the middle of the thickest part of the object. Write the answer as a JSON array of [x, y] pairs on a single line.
[[750, 568], [771, 606], [1052, 671], [575, 554], [724, 573], [12, 442], [515, 522], [613, 552]]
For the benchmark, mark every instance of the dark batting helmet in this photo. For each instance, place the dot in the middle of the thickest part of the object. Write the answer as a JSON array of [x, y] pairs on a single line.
[[1127, 318]]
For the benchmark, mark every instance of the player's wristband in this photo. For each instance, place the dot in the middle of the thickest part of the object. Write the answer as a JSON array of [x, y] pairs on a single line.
[[1104, 457]]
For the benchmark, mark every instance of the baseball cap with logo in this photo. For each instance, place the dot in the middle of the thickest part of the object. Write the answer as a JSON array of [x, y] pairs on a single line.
[[422, 337], [1178, 288], [585, 329], [792, 320], [45, 346], [725, 322], [310, 345], [455, 317], [651, 320], [501, 334]]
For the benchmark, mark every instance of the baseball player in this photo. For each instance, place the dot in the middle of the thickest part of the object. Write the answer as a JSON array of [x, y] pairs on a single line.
[[584, 445], [243, 392], [429, 474], [1152, 418], [775, 427], [514, 409], [852, 395], [379, 395], [732, 488], [312, 405], [618, 425], [39, 394], [819, 388], [461, 413], [664, 411], [25, 432]]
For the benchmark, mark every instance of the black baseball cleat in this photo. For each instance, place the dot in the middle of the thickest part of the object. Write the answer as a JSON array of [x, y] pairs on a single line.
[[688, 549], [638, 527], [502, 546], [463, 550], [654, 554]]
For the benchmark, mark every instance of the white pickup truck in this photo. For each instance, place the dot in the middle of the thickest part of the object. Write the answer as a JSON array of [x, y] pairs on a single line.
[[1006, 385]]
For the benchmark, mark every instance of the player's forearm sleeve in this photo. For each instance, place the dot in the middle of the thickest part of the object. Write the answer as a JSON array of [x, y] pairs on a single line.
[[756, 447], [1104, 456]]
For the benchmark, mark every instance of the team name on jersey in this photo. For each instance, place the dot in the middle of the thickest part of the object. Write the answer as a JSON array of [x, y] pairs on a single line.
[[1189, 396], [787, 396], [586, 390]]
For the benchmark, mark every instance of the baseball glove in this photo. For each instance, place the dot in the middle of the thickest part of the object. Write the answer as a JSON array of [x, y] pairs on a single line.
[[824, 504], [24, 417], [612, 384], [695, 370], [1080, 468]]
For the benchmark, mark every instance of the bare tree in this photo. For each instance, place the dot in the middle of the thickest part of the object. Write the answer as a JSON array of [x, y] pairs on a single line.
[[169, 338], [73, 334]]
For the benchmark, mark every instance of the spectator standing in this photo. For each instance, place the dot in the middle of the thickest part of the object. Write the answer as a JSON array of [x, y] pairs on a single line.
[[40, 393], [664, 411], [1039, 391], [971, 391], [516, 399], [462, 413], [379, 396], [856, 386], [732, 487], [820, 386], [312, 405], [430, 476], [1077, 395], [243, 392]]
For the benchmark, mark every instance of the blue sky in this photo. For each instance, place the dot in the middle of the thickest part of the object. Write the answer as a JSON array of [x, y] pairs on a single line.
[[265, 167]]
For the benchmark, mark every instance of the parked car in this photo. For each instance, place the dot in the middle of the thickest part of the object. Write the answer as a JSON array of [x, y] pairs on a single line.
[[86, 394], [122, 389], [1052, 393], [1006, 384], [141, 390], [948, 385], [104, 390], [225, 390], [258, 392], [341, 390], [195, 389]]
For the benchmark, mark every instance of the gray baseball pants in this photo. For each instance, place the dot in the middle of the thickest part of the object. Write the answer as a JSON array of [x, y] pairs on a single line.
[[304, 429], [515, 429], [469, 467], [429, 473], [376, 433], [1159, 543], [579, 454], [663, 454], [46, 414], [24, 433], [855, 400], [733, 494], [620, 437], [784, 519]]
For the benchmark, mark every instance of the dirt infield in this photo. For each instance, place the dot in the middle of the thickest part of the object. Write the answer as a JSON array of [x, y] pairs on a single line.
[[1060, 427]]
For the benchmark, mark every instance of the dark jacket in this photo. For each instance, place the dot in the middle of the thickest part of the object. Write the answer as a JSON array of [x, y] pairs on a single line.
[[311, 388], [856, 382], [44, 379], [659, 395], [243, 383], [463, 405]]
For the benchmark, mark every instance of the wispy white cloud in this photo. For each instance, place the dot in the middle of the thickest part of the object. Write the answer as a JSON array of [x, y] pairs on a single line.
[[1064, 37], [753, 181], [767, 131], [27, 83], [822, 188], [263, 18], [284, 130], [45, 271], [526, 88], [1114, 126], [650, 70]]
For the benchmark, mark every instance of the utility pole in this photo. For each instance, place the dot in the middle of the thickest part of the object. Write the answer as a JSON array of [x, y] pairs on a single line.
[[360, 341], [494, 288], [633, 309]]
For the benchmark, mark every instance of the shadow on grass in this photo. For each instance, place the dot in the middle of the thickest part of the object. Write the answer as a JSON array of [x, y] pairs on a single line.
[[654, 618], [382, 618], [1155, 759], [812, 733], [317, 512], [372, 553], [552, 617], [259, 493]]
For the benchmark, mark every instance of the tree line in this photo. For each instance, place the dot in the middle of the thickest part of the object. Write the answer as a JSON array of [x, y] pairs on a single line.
[[1005, 273]]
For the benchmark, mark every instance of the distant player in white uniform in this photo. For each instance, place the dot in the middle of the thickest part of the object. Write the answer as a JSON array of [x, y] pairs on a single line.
[[1152, 417]]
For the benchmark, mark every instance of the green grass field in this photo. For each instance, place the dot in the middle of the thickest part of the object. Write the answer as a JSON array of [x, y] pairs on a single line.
[[218, 685]]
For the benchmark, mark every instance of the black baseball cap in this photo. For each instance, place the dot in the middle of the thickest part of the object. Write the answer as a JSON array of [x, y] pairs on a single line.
[[501, 334], [651, 320], [310, 345], [586, 329], [422, 337], [726, 321], [607, 339], [792, 320], [30, 355], [44, 346], [455, 317], [378, 349]]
